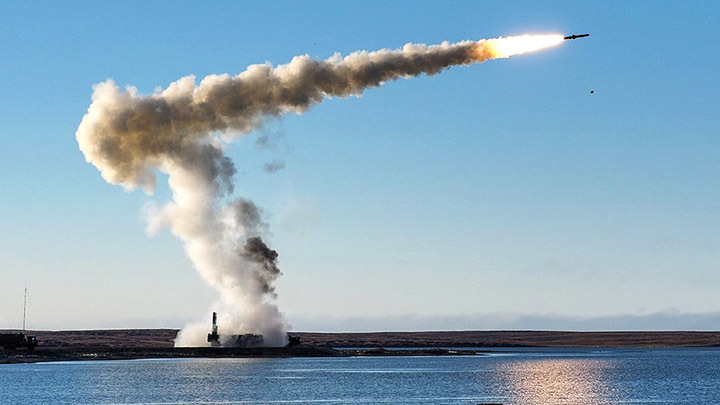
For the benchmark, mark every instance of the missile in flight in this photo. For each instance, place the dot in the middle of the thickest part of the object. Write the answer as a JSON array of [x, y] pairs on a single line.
[[576, 36]]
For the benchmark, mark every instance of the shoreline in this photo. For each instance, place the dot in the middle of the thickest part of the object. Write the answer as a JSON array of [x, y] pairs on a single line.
[[120, 344], [54, 355], [164, 338], [46, 355]]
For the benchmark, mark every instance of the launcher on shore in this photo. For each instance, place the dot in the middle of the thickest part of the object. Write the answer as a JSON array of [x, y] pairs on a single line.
[[213, 336], [244, 340]]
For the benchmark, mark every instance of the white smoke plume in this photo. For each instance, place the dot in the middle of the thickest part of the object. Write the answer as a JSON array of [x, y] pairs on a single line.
[[181, 131]]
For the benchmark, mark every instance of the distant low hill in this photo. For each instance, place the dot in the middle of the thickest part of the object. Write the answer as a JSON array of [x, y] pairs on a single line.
[[159, 338], [513, 339], [105, 338]]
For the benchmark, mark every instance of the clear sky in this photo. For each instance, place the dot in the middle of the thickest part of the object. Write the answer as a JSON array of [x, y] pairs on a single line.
[[501, 195]]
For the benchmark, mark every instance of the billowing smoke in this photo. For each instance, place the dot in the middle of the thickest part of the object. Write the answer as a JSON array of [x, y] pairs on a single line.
[[181, 131], [265, 261]]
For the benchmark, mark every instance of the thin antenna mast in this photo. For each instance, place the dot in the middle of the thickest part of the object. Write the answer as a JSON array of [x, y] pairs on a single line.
[[24, 307]]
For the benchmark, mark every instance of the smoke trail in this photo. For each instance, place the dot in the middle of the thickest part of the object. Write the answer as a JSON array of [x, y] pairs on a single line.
[[181, 131]]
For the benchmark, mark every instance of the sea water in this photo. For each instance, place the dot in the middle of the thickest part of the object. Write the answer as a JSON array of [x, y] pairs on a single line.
[[530, 376]]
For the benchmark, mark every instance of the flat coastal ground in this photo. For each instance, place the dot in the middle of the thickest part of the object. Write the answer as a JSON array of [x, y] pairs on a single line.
[[163, 338], [158, 343]]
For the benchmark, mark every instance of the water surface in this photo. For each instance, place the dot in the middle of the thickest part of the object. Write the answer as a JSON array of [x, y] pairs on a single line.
[[530, 376]]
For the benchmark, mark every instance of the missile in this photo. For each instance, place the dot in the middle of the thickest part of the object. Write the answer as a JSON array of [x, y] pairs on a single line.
[[576, 36], [213, 337]]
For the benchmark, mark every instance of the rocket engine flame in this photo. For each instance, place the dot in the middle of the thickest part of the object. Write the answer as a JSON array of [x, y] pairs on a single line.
[[181, 131], [505, 47]]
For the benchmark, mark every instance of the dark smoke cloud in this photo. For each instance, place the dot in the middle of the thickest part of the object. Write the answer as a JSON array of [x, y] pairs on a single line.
[[273, 167], [256, 251], [262, 141], [248, 215]]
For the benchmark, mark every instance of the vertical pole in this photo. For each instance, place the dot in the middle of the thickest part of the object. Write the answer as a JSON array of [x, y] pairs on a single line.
[[24, 307]]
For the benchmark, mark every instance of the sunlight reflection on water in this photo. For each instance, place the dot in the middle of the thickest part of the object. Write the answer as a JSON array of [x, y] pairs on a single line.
[[528, 377], [556, 381]]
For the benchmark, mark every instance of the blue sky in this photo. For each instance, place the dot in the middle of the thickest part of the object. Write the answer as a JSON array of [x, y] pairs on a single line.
[[499, 191]]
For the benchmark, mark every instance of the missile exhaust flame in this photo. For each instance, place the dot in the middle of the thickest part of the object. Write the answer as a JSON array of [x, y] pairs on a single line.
[[182, 131], [510, 46]]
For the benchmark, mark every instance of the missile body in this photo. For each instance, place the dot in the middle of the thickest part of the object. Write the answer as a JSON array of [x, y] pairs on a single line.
[[213, 337], [576, 36]]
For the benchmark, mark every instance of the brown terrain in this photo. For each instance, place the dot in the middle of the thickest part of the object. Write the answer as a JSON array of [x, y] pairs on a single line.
[[163, 338], [513, 339], [158, 343]]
